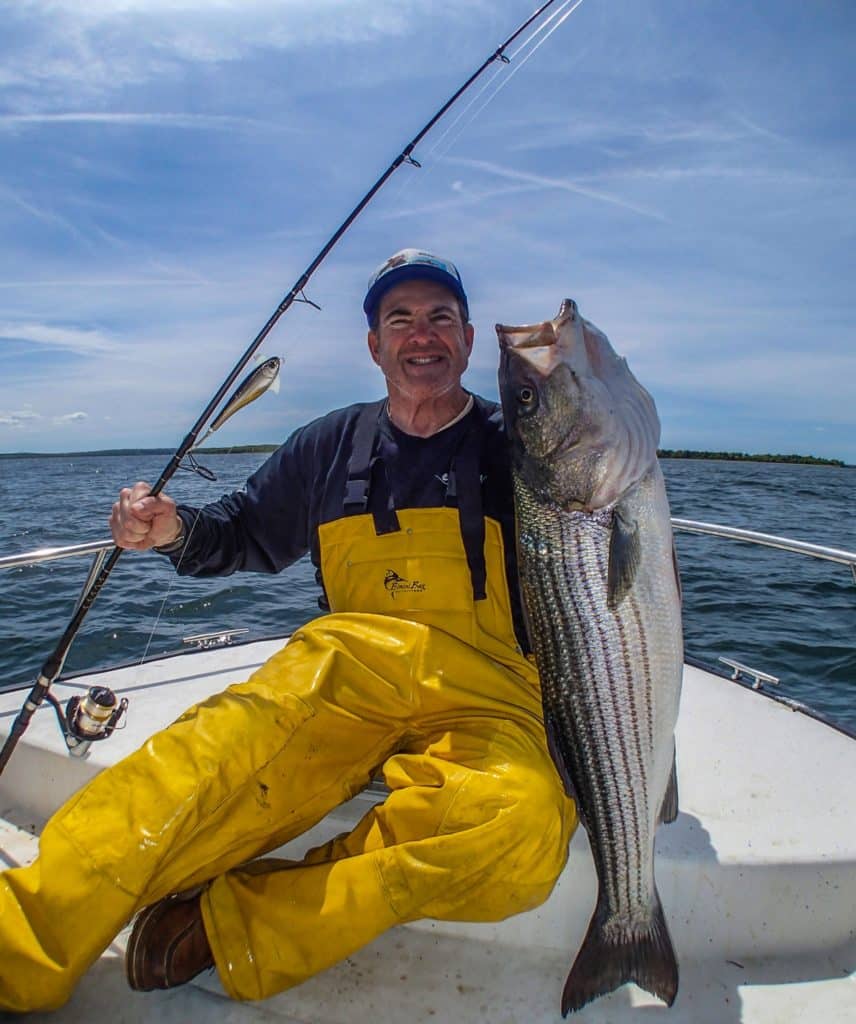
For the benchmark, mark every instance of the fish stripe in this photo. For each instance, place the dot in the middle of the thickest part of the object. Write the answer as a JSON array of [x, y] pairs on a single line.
[[604, 694], [597, 697], [579, 740], [609, 694], [637, 794], [646, 664], [605, 789]]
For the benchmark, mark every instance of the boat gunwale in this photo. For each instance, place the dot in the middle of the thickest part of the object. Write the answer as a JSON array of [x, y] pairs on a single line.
[[689, 659]]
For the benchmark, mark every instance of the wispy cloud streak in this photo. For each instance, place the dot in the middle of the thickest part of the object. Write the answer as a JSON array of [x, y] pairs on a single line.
[[462, 199], [154, 120], [42, 213], [81, 341], [563, 184]]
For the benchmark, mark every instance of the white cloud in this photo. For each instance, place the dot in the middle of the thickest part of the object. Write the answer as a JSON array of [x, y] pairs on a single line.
[[75, 50], [18, 418], [71, 417], [81, 341]]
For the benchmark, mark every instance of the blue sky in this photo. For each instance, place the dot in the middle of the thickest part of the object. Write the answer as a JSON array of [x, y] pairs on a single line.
[[685, 171]]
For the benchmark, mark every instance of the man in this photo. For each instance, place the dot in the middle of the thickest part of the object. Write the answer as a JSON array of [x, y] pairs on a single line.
[[419, 673]]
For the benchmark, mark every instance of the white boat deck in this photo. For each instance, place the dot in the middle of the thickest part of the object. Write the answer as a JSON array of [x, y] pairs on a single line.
[[757, 877]]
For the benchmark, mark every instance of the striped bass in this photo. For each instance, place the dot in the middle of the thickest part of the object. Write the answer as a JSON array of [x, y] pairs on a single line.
[[602, 600]]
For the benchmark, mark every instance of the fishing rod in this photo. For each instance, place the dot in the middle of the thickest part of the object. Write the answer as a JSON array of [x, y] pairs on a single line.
[[97, 714]]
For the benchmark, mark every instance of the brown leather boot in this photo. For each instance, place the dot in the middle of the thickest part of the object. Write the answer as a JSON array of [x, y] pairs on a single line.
[[168, 945]]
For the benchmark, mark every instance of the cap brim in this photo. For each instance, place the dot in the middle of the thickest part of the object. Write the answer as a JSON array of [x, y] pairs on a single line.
[[414, 272]]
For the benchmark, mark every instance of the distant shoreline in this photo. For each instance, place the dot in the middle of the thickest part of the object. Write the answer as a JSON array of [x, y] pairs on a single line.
[[250, 449], [807, 460]]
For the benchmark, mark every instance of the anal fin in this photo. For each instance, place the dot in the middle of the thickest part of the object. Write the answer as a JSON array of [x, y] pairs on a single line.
[[554, 745]]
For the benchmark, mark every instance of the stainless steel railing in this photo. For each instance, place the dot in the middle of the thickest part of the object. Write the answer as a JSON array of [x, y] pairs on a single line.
[[798, 547], [769, 540], [93, 547]]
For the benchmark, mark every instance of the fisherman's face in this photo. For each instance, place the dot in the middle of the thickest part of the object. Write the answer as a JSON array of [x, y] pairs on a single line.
[[422, 343]]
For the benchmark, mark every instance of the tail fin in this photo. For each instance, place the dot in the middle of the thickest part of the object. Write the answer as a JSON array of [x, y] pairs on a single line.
[[605, 963]]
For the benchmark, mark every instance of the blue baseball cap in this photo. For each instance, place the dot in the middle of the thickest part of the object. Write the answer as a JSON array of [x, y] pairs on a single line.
[[410, 265]]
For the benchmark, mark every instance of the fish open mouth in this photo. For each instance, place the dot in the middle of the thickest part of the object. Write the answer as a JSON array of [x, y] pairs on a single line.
[[540, 335], [528, 336]]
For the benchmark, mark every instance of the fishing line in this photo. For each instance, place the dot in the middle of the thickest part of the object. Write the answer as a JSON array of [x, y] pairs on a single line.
[[173, 582], [522, 64], [256, 384], [408, 183], [497, 72], [53, 665], [543, 26]]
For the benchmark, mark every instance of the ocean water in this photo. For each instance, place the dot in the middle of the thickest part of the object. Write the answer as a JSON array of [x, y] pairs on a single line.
[[788, 615]]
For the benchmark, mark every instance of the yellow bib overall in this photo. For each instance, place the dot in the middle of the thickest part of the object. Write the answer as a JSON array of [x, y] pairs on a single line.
[[409, 677]]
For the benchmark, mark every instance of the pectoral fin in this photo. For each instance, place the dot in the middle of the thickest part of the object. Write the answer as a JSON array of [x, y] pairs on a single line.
[[624, 548]]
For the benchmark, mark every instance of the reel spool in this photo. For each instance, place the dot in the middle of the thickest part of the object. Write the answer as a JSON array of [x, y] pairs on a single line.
[[87, 719]]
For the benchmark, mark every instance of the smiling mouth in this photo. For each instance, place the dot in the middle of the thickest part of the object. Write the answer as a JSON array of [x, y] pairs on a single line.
[[423, 360]]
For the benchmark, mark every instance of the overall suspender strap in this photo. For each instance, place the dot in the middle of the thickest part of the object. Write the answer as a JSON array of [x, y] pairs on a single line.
[[360, 462], [367, 472], [465, 483]]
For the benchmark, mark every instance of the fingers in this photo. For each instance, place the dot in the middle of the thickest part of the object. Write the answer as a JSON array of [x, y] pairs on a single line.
[[138, 491], [129, 529], [140, 522]]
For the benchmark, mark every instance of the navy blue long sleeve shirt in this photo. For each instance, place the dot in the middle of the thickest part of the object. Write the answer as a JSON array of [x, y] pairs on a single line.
[[273, 521]]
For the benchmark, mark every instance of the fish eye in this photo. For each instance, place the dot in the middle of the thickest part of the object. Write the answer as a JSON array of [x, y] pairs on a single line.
[[526, 395]]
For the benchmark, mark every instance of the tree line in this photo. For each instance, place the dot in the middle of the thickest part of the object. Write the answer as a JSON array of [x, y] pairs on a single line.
[[685, 453]]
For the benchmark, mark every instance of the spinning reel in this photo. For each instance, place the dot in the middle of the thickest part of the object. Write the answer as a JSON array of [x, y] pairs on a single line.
[[94, 716]]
